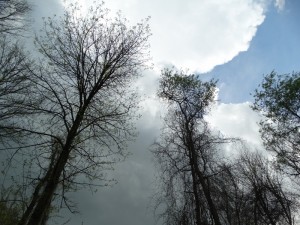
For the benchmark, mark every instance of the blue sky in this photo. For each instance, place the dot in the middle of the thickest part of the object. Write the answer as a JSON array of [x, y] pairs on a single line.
[[237, 41], [275, 46]]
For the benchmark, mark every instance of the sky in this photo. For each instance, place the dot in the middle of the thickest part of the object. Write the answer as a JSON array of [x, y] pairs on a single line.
[[236, 42]]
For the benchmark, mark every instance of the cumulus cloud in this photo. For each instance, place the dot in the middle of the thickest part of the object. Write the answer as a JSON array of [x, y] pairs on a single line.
[[197, 35]]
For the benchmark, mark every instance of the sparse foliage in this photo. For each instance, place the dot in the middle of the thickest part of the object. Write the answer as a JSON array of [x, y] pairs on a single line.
[[9, 215], [78, 117], [278, 99], [186, 150], [10, 206], [198, 184]]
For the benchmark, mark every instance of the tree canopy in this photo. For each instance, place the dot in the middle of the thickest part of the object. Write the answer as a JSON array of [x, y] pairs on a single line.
[[278, 100]]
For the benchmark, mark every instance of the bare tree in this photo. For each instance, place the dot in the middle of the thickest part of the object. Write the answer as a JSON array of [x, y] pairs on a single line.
[[270, 201], [14, 83], [14, 65], [187, 149], [198, 185], [14, 62], [253, 192], [13, 16], [80, 108]]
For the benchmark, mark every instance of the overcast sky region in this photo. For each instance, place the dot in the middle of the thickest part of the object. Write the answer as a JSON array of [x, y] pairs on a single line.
[[233, 41]]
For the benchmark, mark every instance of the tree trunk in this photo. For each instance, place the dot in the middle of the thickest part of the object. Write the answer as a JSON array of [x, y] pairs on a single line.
[[209, 200], [43, 204], [191, 148], [42, 207], [196, 196]]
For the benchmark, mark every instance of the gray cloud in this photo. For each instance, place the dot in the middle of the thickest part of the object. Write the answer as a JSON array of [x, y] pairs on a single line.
[[129, 201]]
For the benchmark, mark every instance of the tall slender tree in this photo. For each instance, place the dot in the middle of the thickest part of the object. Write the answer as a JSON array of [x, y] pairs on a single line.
[[198, 184], [80, 107], [186, 148]]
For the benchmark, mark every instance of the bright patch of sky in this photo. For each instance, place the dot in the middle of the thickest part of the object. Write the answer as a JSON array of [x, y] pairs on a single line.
[[232, 119]]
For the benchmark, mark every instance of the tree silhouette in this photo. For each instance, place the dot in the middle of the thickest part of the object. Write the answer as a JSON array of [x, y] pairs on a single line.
[[78, 112]]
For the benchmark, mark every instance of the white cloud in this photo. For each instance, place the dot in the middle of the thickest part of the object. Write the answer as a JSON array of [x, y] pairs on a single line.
[[237, 120], [196, 34], [279, 4]]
